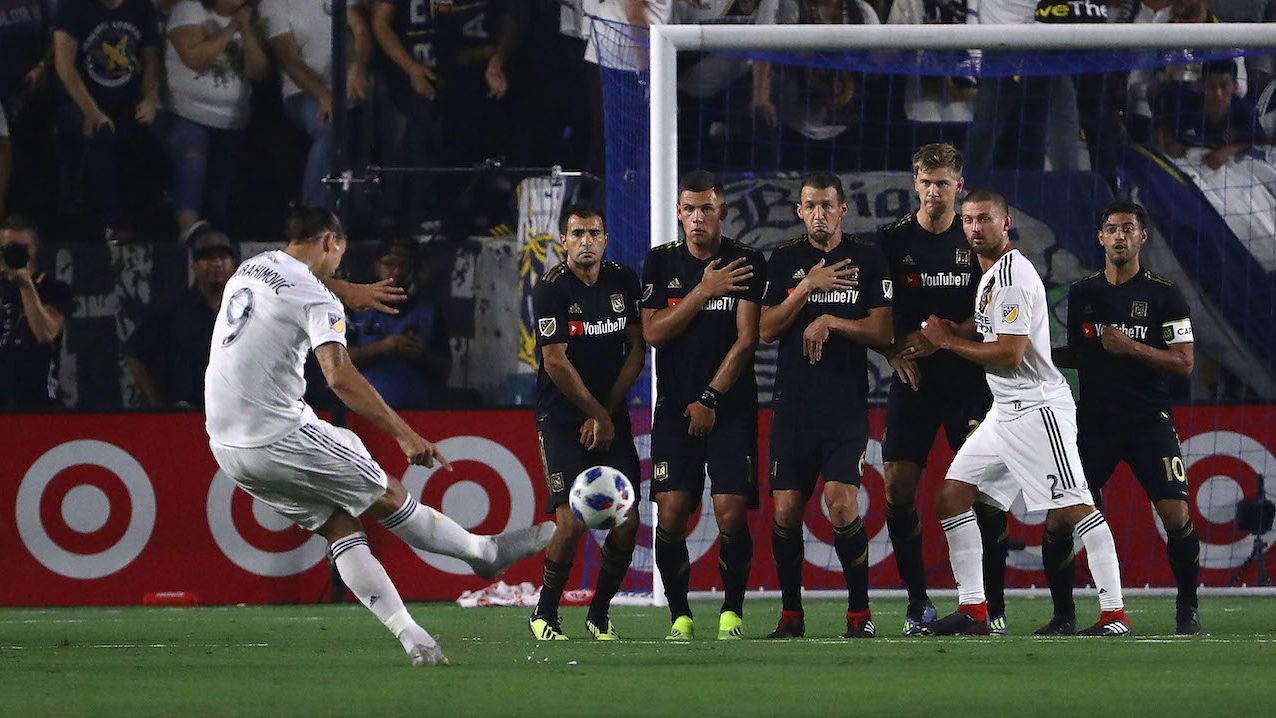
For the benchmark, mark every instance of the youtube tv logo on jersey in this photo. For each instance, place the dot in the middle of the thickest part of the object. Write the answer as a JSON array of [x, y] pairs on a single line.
[[605, 326]]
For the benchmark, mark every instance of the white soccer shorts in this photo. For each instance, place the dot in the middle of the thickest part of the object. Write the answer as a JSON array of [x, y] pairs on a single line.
[[1034, 452], [308, 474]]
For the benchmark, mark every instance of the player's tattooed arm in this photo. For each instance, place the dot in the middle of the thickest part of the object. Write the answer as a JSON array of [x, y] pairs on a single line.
[[363, 399], [376, 295]]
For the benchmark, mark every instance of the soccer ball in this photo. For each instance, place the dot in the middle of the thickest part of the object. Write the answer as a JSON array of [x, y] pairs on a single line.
[[601, 496]]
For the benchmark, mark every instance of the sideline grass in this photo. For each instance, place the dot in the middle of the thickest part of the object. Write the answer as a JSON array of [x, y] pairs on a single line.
[[329, 660]]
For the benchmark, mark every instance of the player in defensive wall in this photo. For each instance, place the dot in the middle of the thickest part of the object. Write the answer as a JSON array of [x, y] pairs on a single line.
[[1129, 330], [590, 346], [701, 300]]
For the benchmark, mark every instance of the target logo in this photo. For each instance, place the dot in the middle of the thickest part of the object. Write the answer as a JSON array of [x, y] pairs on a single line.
[[256, 538], [489, 498], [1231, 463], [85, 509]]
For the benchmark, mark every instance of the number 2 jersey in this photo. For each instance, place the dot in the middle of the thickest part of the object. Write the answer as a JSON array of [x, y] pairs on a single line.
[[1012, 300], [274, 311]]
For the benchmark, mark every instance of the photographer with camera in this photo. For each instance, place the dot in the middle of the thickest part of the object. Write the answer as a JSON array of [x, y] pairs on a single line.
[[33, 311]]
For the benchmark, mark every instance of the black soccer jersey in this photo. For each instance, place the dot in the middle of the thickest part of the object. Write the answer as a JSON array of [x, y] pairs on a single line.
[[686, 363], [592, 322], [838, 383], [933, 274], [1150, 310]]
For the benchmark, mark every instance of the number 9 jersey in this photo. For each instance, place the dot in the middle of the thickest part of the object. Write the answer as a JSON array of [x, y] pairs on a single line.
[[274, 311]]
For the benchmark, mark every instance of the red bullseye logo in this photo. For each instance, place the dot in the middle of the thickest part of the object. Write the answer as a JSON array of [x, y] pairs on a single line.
[[85, 509], [488, 491], [256, 538]]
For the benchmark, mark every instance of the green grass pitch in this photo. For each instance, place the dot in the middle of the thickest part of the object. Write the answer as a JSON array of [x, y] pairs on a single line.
[[337, 660]]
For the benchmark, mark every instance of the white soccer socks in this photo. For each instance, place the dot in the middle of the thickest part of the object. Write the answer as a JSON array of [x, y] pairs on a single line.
[[364, 576], [1101, 555], [422, 527], [966, 552]]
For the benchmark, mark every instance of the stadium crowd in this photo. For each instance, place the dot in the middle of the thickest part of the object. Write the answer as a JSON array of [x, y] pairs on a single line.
[[180, 120]]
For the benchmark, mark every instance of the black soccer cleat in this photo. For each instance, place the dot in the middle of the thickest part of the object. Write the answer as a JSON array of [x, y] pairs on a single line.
[[1058, 626], [958, 623], [859, 624], [792, 625], [1111, 624], [1187, 622]]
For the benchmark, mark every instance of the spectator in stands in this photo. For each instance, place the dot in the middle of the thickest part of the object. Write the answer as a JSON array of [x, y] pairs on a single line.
[[106, 55], [607, 46], [1144, 85], [928, 98], [814, 107], [475, 39], [168, 352], [211, 56], [1209, 131], [1008, 127], [25, 27], [33, 312], [299, 33], [713, 73], [406, 33], [405, 356], [26, 42], [6, 160], [1260, 67]]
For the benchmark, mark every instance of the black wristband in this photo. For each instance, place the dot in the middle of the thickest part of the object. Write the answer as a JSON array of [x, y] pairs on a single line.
[[709, 397]]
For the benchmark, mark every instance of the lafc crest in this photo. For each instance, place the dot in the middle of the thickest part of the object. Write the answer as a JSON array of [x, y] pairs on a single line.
[[618, 303]]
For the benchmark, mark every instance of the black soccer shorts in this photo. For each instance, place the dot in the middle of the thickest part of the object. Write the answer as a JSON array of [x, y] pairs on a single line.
[[913, 417], [563, 458], [805, 446], [729, 455], [1147, 443]]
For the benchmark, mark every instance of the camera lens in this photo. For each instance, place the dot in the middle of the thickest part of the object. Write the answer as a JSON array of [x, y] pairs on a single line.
[[16, 256]]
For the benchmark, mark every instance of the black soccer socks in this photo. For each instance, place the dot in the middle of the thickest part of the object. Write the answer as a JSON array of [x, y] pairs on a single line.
[[905, 530], [1184, 549], [611, 573], [995, 532], [735, 557], [788, 547], [1059, 561], [674, 564], [552, 588], [851, 543]]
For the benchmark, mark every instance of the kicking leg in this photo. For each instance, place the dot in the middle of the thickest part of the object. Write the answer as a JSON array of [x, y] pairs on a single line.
[[367, 579]]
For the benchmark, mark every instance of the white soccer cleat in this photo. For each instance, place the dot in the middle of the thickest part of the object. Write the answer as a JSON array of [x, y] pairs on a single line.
[[512, 546], [423, 655]]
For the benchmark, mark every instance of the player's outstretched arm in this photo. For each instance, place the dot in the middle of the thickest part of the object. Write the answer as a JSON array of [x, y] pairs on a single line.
[[377, 295], [363, 399]]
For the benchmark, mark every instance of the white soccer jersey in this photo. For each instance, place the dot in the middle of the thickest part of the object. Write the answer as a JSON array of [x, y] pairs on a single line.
[[1012, 300], [274, 311]]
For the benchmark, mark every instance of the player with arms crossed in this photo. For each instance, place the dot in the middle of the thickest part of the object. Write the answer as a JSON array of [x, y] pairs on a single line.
[[274, 311], [1128, 329], [827, 300], [700, 305], [1028, 441], [934, 272], [590, 343]]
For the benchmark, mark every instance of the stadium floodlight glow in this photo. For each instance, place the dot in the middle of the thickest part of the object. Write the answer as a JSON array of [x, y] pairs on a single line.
[[667, 40]]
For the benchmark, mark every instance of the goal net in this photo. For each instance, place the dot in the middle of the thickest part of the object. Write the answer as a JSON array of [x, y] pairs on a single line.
[[1062, 119]]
